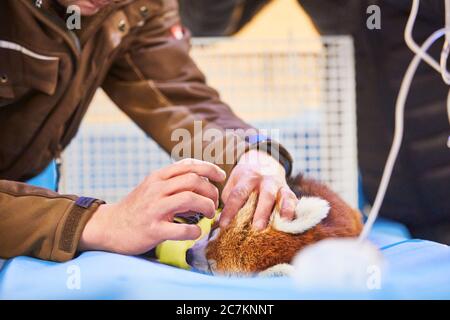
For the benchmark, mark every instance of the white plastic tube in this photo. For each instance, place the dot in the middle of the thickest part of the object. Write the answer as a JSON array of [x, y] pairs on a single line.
[[410, 40], [446, 49], [399, 124]]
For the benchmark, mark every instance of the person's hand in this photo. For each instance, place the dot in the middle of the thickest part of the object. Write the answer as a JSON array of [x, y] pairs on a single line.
[[144, 218], [257, 171]]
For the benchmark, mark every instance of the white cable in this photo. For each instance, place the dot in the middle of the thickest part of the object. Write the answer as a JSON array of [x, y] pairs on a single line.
[[410, 40], [446, 49], [448, 113], [443, 62], [447, 19], [440, 67], [399, 122], [444, 58]]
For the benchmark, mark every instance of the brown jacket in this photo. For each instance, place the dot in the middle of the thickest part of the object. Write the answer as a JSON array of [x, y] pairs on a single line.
[[48, 76]]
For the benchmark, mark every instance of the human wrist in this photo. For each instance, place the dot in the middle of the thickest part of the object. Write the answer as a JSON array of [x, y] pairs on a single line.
[[273, 149], [264, 160], [94, 235]]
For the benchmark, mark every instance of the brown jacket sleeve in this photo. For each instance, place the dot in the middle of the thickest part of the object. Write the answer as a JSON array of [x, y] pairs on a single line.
[[40, 223], [158, 85]]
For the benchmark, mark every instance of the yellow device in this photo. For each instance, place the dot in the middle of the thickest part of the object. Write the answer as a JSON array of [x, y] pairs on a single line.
[[174, 252]]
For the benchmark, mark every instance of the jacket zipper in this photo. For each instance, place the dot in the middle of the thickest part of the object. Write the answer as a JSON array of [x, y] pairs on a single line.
[[74, 44], [56, 24]]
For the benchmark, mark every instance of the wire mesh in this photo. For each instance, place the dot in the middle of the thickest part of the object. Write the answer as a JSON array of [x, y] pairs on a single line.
[[301, 91]]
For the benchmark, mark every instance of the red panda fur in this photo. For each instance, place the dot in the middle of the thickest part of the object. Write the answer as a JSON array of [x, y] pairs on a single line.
[[239, 249]]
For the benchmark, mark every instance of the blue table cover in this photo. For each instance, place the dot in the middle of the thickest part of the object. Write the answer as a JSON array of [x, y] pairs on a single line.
[[417, 269]]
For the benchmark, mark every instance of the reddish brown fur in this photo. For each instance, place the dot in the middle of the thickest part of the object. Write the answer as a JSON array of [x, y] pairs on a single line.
[[240, 249]]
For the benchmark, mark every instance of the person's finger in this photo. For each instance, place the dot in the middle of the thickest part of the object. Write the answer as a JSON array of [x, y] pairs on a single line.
[[201, 168], [181, 231], [236, 200], [229, 186], [186, 201], [191, 182], [288, 201], [266, 201]]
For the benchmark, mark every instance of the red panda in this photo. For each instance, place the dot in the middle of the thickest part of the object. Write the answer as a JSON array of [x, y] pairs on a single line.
[[320, 214]]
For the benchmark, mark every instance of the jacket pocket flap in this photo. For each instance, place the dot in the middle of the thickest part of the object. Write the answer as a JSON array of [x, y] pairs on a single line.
[[41, 75], [22, 68]]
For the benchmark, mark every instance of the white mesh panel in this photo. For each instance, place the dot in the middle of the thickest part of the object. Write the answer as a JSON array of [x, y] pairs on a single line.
[[303, 88]]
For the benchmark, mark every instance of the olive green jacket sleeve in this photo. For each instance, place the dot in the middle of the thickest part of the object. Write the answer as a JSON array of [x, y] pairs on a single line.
[[40, 223]]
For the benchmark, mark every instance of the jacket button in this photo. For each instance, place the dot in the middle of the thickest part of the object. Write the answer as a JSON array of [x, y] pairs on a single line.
[[3, 78], [122, 25], [144, 11]]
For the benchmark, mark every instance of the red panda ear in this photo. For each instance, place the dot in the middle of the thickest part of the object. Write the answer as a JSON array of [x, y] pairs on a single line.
[[310, 211]]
